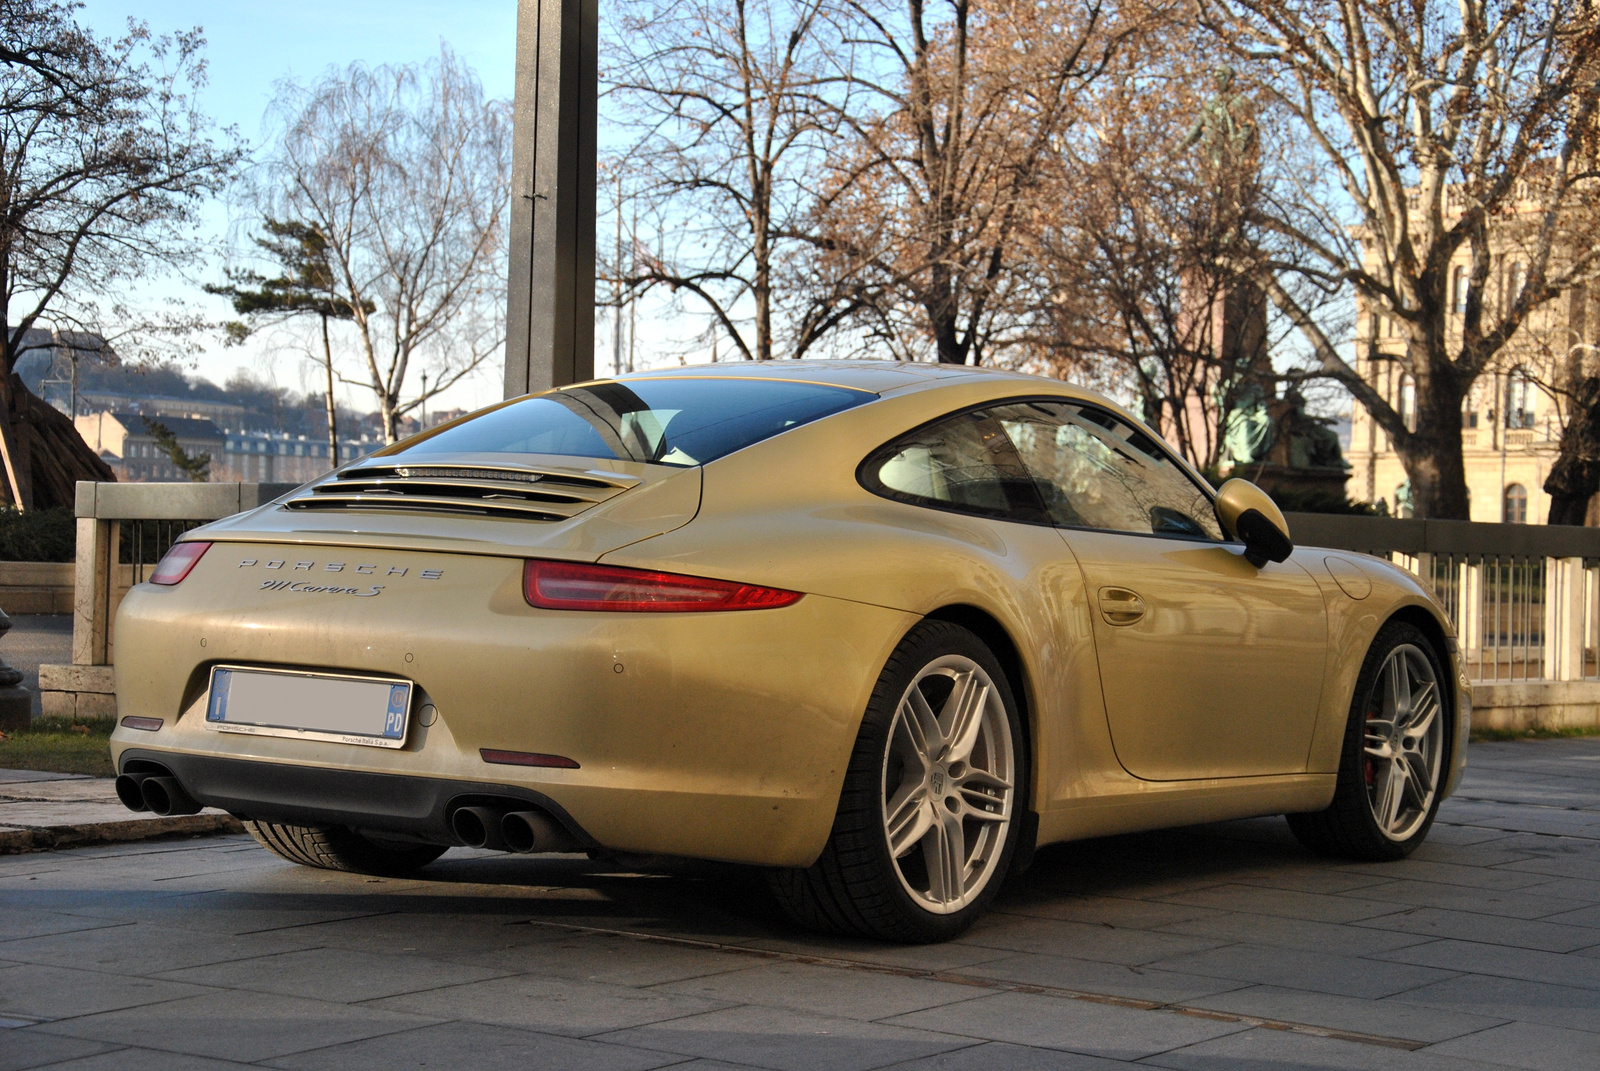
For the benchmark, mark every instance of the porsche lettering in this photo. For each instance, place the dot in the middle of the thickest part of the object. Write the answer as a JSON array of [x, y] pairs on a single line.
[[364, 568]]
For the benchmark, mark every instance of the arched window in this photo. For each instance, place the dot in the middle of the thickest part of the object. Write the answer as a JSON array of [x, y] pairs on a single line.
[[1514, 280], [1519, 401], [1408, 402], [1458, 290], [1515, 509]]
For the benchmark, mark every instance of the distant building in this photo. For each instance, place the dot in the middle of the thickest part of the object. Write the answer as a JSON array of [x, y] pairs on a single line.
[[123, 441], [277, 457]]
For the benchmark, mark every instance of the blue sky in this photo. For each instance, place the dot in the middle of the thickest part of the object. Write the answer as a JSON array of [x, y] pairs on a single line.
[[250, 46]]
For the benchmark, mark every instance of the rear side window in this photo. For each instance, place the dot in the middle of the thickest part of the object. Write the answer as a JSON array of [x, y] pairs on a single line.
[[966, 463], [674, 420]]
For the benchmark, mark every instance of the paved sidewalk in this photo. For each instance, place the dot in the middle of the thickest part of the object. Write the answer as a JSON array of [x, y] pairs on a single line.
[[41, 811], [1222, 947]]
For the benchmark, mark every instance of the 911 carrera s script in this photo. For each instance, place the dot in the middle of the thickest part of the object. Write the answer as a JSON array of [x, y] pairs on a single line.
[[318, 589]]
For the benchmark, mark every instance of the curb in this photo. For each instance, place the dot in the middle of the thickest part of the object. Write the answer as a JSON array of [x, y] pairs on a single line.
[[17, 840]]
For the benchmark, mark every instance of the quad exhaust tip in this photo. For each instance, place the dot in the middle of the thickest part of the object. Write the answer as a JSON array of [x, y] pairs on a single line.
[[535, 831], [478, 827], [501, 829], [164, 796], [157, 793], [130, 792]]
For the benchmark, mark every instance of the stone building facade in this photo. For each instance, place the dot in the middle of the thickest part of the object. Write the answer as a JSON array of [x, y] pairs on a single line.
[[1511, 420]]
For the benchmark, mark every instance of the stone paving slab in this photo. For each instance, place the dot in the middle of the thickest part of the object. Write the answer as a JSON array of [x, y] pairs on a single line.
[[1222, 948], [44, 811]]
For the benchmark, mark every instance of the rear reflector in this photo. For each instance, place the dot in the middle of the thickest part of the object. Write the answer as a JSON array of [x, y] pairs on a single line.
[[581, 586], [149, 725], [177, 562], [527, 758]]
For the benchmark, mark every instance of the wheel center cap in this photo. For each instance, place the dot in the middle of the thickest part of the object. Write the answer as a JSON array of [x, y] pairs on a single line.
[[936, 781]]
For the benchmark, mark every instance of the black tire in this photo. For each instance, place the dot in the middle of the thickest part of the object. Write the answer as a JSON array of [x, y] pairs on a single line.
[[339, 848], [855, 886], [1349, 828]]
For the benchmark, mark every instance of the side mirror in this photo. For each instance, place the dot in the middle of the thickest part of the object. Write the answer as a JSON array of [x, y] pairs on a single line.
[[1250, 516]]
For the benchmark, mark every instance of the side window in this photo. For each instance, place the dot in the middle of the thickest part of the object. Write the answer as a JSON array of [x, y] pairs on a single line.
[[1096, 471], [965, 463]]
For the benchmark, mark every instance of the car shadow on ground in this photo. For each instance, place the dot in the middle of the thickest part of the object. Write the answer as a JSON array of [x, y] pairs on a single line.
[[700, 898]]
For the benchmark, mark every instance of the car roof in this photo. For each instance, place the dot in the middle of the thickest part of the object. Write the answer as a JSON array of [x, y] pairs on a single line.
[[874, 376]]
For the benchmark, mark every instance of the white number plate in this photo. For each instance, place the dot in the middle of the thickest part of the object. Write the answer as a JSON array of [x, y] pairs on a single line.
[[370, 711]]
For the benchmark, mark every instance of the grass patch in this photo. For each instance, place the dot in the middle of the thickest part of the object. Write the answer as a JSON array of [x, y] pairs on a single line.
[[61, 745], [1484, 735]]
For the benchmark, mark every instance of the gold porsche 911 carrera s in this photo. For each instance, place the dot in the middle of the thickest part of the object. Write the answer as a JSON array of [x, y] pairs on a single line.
[[880, 628]]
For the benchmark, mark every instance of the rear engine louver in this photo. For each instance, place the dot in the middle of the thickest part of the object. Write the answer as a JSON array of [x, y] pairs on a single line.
[[526, 493]]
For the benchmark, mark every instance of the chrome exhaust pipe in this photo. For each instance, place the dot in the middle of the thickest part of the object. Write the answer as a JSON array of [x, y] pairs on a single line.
[[130, 790], [478, 827], [535, 831], [164, 796]]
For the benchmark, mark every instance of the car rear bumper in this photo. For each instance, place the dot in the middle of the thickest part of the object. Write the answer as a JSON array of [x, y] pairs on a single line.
[[413, 807], [705, 735]]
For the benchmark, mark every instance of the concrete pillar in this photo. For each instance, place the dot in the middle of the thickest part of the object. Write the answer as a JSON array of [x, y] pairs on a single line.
[[550, 300], [91, 591], [1563, 617]]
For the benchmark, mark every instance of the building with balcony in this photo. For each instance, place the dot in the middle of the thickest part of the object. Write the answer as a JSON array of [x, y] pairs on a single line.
[[1511, 420]]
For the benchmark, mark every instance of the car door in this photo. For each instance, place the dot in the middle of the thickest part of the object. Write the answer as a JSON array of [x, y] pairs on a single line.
[[1210, 667]]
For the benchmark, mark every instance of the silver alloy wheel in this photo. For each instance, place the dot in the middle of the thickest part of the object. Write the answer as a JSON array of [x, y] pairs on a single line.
[[1404, 742], [947, 785]]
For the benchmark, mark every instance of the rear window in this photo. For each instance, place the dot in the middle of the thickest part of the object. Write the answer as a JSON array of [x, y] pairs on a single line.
[[675, 420]]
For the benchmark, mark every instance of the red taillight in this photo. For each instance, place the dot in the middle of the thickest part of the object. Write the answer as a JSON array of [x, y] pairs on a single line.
[[177, 562], [580, 586]]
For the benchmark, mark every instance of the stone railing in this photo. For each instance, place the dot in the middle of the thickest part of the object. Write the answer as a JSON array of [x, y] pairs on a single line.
[[123, 530], [1525, 600]]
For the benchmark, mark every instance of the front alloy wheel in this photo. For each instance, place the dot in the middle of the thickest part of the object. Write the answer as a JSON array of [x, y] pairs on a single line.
[[1396, 749], [1404, 743], [929, 818]]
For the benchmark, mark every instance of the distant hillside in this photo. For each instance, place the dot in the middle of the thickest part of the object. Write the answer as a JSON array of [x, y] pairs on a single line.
[[266, 407]]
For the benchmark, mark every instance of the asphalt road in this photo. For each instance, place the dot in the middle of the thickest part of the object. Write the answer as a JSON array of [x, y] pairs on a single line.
[[1217, 947]]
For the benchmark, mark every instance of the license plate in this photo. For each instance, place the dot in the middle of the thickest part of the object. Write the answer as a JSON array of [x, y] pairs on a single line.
[[370, 711]]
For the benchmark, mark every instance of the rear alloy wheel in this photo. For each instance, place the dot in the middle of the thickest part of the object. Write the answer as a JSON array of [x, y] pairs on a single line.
[[1394, 755], [338, 848], [927, 821]]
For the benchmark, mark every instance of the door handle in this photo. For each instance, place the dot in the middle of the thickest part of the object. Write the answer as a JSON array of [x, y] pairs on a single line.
[[1119, 606]]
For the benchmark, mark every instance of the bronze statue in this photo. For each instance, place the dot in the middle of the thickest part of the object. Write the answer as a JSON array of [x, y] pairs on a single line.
[[1226, 126]]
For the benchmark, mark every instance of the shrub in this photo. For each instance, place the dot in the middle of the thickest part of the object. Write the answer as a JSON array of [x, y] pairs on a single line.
[[40, 535]]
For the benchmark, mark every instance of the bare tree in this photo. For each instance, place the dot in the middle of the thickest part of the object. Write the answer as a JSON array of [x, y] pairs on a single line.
[[735, 103], [965, 102], [104, 163], [403, 173], [1446, 131], [1135, 247]]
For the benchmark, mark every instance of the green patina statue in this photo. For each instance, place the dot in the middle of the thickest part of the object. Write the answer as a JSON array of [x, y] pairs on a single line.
[[1225, 125]]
